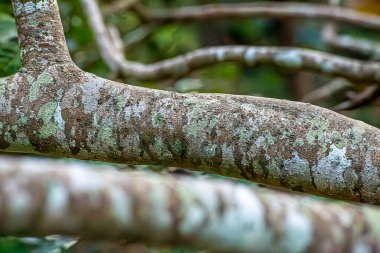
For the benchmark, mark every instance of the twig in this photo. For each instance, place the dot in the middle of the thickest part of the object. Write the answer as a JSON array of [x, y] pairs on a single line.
[[267, 10], [370, 94], [335, 86], [119, 5], [364, 47], [180, 66]]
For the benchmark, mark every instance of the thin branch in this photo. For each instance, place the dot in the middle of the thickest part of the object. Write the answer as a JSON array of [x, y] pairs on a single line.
[[119, 5], [49, 197], [364, 47], [288, 58], [293, 58], [267, 10], [108, 50], [136, 36], [367, 96], [337, 85]]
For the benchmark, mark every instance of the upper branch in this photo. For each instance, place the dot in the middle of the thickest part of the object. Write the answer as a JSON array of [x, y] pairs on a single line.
[[267, 10], [40, 31], [182, 65], [65, 111]]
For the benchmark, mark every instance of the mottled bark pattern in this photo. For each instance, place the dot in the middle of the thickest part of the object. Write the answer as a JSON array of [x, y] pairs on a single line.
[[59, 110], [41, 37], [50, 197], [64, 111]]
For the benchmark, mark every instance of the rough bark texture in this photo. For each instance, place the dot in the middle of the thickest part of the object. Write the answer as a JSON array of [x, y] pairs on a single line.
[[58, 110], [42, 198]]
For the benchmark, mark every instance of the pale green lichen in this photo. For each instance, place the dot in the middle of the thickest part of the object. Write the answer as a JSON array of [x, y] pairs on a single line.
[[338, 139], [34, 90], [20, 143], [299, 142], [177, 147], [46, 113], [161, 150], [107, 137], [317, 130], [3, 83], [208, 153], [158, 119], [357, 135], [270, 139], [287, 133]]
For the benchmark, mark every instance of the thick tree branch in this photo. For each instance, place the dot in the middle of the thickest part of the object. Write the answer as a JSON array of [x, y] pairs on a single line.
[[63, 111], [49, 197], [179, 66]]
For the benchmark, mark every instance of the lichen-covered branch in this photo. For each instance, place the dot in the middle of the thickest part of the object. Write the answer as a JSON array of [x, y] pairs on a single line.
[[60, 110], [180, 66], [48, 197], [40, 33]]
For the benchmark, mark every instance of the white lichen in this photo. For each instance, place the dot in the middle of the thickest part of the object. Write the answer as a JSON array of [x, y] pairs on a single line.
[[58, 119], [250, 56], [297, 171], [32, 6], [57, 200], [220, 55], [289, 59], [299, 232], [329, 171]]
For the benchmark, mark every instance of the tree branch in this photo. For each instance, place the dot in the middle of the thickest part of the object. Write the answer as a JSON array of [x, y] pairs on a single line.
[[364, 47], [367, 96], [40, 34], [330, 89], [63, 111], [266, 10], [49, 197], [293, 58]]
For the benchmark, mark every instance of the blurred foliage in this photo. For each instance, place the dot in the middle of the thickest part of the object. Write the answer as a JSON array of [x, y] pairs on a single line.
[[173, 39], [9, 51]]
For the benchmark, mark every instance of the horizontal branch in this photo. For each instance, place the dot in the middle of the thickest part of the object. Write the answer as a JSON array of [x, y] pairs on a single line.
[[60, 110], [292, 58], [267, 10], [370, 94], [364, 47], [328, 90], [288, 58], [64, 111], [48, 197]]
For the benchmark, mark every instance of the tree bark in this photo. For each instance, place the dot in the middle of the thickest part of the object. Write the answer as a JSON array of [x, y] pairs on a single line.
[[50, 197], [54, 108]]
